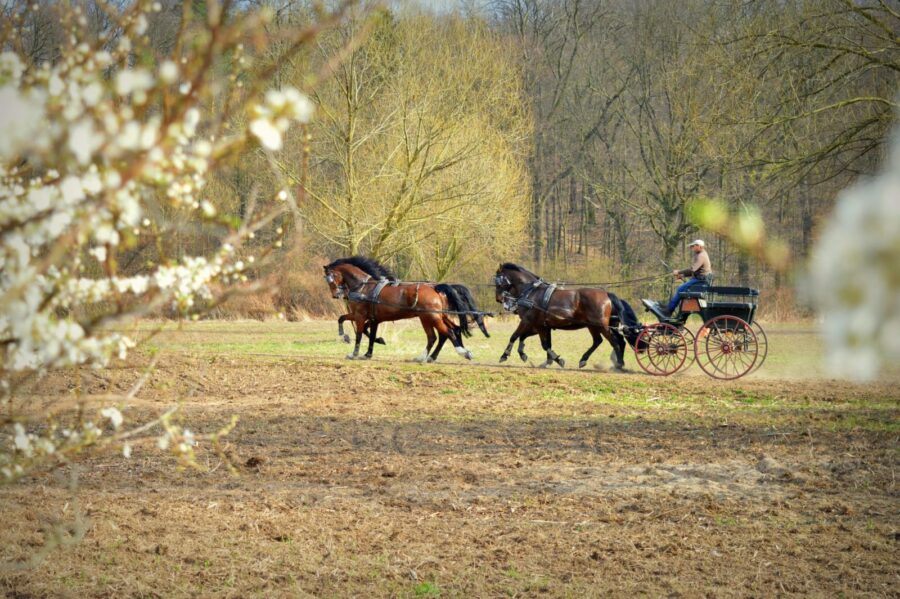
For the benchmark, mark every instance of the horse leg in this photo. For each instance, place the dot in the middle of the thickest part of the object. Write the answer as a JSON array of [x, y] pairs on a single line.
[[455, 339], [522, 339], [360, 326], [618, 354], [552, 356], [373, 331], [479, 319], [342, 336], [520, 330], [442, 339], [428, 325], [597, 340]]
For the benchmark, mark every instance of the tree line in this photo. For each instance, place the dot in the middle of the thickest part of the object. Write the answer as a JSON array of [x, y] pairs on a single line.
[[573, 135]]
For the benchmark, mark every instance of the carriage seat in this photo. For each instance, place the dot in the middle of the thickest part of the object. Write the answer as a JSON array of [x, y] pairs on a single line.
[[741, 291], [692, 294]]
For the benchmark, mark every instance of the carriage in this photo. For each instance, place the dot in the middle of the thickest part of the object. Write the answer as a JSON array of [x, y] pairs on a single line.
[[729, 345]]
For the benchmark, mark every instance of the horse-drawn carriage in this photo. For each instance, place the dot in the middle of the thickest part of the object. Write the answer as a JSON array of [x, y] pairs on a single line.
[[729, 345]]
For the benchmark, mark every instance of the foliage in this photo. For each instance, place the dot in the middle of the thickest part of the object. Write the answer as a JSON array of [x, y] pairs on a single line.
[[417, 154], [105, 150]]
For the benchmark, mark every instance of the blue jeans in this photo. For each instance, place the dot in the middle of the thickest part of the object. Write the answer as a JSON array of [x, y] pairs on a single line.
[[683, 287]]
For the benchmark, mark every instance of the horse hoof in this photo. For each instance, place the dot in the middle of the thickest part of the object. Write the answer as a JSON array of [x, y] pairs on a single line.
[[582, 364], [379, 341], [524, 357], [561, 362], [544, 365], [351, 357], [430, 360], [366, 357], [344, 338], [468, 355], [503, 358]]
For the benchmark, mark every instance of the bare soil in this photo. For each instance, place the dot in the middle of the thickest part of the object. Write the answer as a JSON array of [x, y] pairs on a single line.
[[395, 479]]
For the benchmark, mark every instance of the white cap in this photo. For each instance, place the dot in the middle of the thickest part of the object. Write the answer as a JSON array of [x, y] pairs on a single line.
[[699, 242]]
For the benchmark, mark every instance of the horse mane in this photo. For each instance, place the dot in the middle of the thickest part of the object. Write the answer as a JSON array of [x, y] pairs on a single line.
[[516, 267], [370, 266]]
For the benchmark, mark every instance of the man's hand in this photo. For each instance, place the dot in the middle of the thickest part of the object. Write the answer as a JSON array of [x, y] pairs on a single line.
[[676, 274]]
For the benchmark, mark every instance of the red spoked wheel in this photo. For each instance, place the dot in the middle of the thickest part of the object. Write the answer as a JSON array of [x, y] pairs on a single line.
[[763, 342], [726, 347], [661, 349], [689, 339]]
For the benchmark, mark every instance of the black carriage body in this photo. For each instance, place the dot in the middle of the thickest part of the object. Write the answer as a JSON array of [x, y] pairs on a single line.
[[713, 301]]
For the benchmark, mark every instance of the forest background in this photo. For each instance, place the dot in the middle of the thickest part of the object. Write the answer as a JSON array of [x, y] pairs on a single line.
[[587, 139]]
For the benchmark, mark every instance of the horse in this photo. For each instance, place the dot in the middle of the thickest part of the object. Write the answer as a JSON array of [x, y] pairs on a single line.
[[378, 271], [471, 311], [542, 307], [396, 301]]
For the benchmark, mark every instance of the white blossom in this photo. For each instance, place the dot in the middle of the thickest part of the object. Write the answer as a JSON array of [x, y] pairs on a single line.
[[855, 276], [274, 116], [10, 67], [141, 24], [129, 81], [267, 133], [22, 441], [113, 415], [84, 140], [168, 72], [21, 119]]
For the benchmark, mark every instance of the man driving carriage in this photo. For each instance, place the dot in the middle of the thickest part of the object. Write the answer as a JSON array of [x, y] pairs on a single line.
[[698, 271]]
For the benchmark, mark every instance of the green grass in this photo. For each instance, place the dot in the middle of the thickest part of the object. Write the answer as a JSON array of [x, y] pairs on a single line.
[[773, 396], [427, 589], [795, 350]]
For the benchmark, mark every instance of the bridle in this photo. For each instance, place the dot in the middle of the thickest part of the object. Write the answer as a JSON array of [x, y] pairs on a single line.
[[343, 291], [509, 301]]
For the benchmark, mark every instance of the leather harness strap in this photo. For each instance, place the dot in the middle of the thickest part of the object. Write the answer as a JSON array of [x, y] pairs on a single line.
[[373, 298], [548, 293]]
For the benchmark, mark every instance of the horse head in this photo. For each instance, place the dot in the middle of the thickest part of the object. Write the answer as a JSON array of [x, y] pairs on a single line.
[[511, 281], [344, 278], [335, 280]]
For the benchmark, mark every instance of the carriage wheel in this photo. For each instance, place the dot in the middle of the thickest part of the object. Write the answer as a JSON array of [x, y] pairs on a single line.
[[763, 342], [661, 349], [689, 340], [726, 347]]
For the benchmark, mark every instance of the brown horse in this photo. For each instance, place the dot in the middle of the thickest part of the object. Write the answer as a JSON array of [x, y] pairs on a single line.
[[397, 301], [471, 309], [542, 308]]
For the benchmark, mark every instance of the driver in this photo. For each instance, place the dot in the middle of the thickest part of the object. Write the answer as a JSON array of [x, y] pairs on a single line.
[[697, 272]]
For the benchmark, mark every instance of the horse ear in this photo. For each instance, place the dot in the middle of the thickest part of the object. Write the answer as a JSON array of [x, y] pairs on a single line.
[[325, 268]]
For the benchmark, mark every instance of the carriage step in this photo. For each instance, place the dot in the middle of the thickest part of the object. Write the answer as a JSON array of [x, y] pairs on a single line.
[[655, 308]]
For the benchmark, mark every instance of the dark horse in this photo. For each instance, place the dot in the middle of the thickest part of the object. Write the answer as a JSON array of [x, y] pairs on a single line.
[[542, 308], [354, 279]]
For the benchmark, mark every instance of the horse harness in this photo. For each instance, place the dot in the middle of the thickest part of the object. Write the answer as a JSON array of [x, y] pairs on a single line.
[[372, 298], [524, 301]]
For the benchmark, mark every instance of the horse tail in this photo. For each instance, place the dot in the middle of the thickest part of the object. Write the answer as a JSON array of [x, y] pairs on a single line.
[[627, 317], [457, 304], [473, 307]]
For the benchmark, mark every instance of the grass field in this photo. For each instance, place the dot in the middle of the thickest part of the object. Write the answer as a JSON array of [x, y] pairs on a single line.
[[796, 351], [458, 479]]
